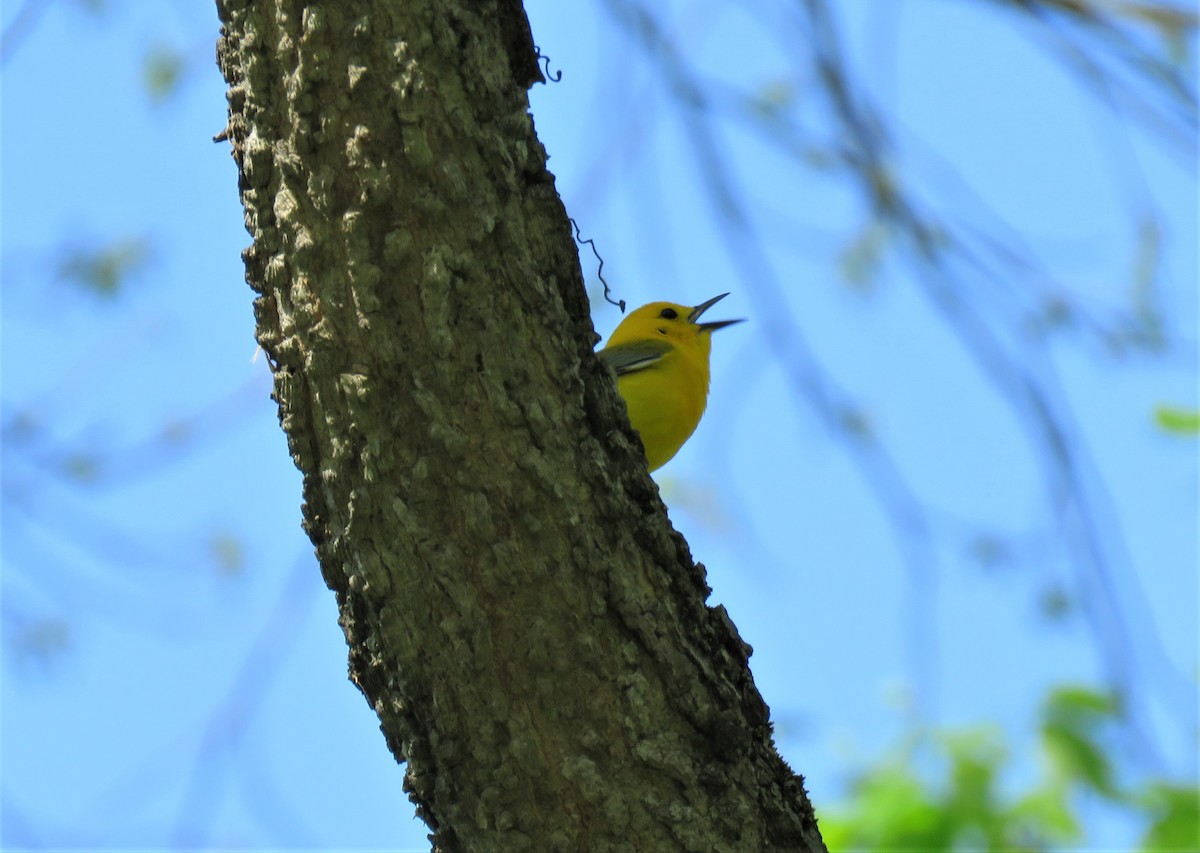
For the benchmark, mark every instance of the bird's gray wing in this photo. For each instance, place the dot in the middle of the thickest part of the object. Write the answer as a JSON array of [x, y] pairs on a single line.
[[633, 356]]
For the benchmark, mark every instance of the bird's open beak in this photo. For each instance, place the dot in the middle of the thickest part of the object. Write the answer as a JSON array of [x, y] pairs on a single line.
[[704, 306]]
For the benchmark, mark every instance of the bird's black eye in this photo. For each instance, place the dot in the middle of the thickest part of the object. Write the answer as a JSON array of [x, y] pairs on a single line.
[[669, 314]]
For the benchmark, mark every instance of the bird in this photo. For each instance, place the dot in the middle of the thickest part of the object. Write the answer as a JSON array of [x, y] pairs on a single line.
[[660, 354]]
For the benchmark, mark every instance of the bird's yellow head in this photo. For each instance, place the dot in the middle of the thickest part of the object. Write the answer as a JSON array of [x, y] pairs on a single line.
[[676, 324], [660, 356]]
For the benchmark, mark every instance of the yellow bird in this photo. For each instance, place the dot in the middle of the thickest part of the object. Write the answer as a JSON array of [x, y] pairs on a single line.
[[660, 355]]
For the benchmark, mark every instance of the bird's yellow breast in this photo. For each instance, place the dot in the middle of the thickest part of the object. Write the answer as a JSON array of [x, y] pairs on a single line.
[[665, 403]]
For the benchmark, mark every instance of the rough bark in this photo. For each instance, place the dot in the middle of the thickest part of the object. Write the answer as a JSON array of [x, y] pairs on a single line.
[[521, 615]]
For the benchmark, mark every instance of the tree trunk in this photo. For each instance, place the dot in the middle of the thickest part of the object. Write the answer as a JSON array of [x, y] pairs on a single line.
[[519, 611]]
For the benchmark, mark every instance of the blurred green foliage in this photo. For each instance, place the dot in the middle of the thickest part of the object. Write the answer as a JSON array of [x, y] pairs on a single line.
[[945, 790], [1178, 420], [104, 270], [162, 71]]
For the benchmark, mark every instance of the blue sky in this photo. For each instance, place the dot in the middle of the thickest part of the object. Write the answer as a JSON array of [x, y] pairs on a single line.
[[194, 700]]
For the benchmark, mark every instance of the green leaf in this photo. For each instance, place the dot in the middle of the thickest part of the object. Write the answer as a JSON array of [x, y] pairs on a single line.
[[861, 259], [894, 811], [82, 467], [1045, 813], [43, 640], [228, 552], [773, 97], [1178, 420], [1075, 720], [856, 423], [1176, 818], [1074, 705], [1055, 604], [971, 800], [105, 270], [162, 71], [956, 802], [1080, 759], [989, 550]]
